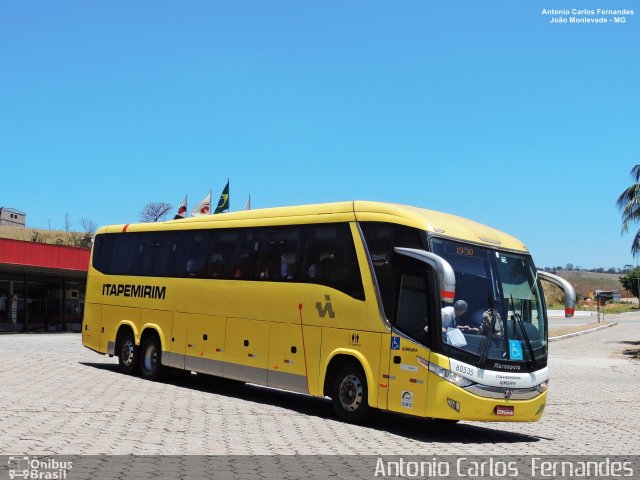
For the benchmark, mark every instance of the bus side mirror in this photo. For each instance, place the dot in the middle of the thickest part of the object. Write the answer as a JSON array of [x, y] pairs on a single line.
[[444, 271], [566, 287]]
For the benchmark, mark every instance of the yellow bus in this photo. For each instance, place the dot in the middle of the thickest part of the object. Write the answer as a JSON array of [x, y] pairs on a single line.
[[374, 305]]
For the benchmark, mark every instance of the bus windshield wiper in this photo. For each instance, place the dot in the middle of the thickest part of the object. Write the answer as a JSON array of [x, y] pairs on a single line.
[[517, 317], [484, 349]]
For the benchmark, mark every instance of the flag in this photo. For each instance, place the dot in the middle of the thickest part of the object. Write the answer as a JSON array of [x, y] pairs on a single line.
[[247, 206], [223, 203], [182, 209], [203, 207]]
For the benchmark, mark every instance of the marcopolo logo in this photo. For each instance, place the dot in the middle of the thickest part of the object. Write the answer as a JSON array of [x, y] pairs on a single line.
[[38, 469]]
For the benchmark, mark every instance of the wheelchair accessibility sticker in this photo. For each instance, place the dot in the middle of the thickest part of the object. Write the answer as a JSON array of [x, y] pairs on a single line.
[[515, 349], [395, 343]]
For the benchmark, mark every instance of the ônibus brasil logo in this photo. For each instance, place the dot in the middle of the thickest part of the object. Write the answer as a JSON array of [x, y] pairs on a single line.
[[38, 469]]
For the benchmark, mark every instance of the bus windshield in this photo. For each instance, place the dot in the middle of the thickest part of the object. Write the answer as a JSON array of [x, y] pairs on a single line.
[[498, 314]]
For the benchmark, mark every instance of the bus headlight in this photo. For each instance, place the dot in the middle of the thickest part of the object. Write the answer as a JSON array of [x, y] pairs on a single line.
[[450, 376], [543, 386]]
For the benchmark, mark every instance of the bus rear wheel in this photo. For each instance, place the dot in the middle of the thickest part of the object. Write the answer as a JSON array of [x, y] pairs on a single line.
[[127, 353], [150, 358], [349, 394]]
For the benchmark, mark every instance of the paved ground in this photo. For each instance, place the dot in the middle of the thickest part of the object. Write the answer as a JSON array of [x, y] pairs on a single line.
[[59, 398]]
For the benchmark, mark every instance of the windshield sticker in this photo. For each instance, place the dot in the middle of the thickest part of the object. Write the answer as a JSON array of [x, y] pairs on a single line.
[[515, 349], [395, 343], [406, 400]]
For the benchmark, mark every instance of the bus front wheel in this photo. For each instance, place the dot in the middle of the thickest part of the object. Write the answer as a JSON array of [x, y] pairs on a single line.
[[150, 358], [127, 353], [349, 394]]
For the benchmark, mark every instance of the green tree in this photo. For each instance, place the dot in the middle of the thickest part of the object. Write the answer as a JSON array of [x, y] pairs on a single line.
[[631, 280], [629, 204]]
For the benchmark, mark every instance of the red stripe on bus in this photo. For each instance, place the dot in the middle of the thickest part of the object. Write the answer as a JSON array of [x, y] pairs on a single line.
[[447, 294], [124, 229]]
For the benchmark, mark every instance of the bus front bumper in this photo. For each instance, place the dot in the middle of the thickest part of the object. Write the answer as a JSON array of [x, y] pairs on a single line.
[[451, 402]]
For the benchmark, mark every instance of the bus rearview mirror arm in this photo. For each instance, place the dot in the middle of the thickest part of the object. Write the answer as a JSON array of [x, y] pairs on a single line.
[[444, 271], [569, 292]]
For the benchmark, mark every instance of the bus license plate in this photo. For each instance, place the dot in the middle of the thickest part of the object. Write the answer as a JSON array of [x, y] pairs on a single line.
[[504, 411]]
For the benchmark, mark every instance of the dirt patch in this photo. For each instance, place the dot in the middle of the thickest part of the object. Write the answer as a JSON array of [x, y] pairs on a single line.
[[557, 332]]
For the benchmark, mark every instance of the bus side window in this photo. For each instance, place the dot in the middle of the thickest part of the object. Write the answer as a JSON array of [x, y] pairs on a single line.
[[102, 250], [381, 239], [276, 254], [330, 259], [412, 309], [229, 254], [190, 250], [126, 251], [153, 254]]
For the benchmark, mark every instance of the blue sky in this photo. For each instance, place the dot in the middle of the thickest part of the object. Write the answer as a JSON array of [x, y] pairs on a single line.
[[481, 109]]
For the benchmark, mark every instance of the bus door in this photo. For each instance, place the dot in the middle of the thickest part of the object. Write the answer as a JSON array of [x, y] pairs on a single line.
[[407, 392], [422, 280]]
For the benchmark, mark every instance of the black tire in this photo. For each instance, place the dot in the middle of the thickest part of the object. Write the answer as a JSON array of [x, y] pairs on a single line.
[[349, 394], [127, 353], [151, 358]]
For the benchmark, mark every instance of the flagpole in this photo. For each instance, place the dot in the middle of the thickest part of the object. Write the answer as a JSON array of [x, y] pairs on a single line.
[[228, 197]]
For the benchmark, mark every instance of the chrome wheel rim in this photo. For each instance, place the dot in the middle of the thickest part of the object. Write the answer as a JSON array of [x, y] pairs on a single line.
[[127, 352], [351, 393]]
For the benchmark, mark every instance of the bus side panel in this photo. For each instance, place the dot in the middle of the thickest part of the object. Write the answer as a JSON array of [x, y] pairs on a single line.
[[384, 379], [312, 347], [408, 379], [364, 347], [178, 340], [160, 321], [92, 327], [247, 350], [287, 358], [112, 317], [205, 343]]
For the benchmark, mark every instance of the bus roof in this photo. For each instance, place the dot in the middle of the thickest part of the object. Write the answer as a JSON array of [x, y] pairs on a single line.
[[436, 223]]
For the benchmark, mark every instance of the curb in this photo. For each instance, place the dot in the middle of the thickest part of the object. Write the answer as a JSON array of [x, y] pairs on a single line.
[[575, 334]]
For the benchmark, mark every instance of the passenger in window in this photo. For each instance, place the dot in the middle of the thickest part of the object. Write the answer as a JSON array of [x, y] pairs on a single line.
[[326, 269], [313, 271], [217, 270], [288, 271], [471, 323], [241, 270], [193, 267], [454, 317], [269, 272]]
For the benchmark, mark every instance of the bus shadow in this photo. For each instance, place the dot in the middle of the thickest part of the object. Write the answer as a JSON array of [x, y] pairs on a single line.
[[423, 430], [633, 350]]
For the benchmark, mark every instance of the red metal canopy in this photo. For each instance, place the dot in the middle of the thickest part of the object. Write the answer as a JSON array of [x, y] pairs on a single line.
[[31, 254]]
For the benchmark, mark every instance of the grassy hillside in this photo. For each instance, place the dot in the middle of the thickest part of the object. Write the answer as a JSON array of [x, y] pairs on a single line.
[[53, 237], [584, 282]]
